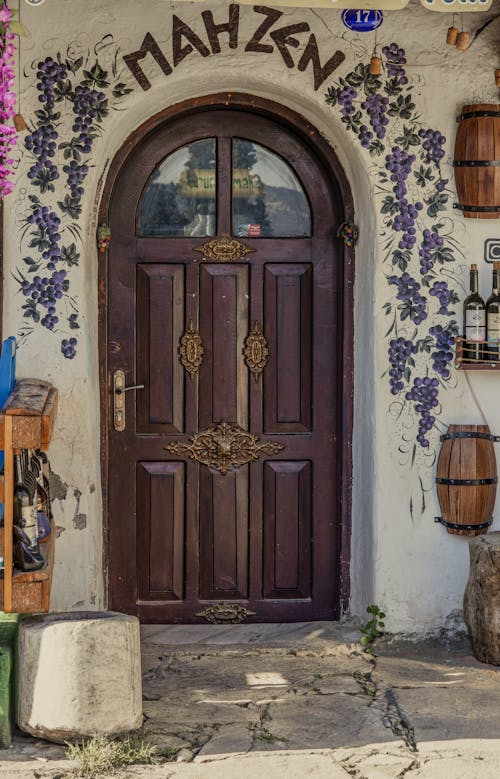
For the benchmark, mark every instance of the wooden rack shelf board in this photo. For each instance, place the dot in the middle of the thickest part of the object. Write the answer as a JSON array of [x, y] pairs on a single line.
[[26, 422], [465, 364]]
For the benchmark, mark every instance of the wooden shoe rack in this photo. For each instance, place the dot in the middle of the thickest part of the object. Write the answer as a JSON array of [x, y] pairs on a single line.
[[26, 422]]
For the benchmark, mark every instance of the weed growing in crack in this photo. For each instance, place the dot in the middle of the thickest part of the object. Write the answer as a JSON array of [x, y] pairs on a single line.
[[260, 733], [101, 755], [372, 629], [366, 683]]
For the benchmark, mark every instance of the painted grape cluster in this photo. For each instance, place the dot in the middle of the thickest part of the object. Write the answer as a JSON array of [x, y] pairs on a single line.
[[419, 245], [73, 98]]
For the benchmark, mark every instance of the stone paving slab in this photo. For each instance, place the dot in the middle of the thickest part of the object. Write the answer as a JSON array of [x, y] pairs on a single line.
[[452, 713], [315, 722], [280, 634], [318, 708], [296, 766]]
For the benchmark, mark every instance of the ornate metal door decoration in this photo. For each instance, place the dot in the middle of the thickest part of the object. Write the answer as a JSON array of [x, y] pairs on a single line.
[[225, 613], [224, 446], [224, 250], [191, 350], [256, 351]]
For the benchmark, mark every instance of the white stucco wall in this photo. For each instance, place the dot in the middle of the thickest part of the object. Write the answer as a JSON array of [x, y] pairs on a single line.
[[411, 567]]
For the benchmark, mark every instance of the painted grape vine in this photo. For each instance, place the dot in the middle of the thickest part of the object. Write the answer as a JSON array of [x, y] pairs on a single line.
[[419, 248], [74, 97]]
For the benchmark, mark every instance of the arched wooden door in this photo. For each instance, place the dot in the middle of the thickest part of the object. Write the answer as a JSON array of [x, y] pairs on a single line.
[[225, 286]]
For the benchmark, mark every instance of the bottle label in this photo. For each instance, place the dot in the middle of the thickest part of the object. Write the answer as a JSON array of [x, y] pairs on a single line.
[[30, 523], [494, 328], [475, 325]]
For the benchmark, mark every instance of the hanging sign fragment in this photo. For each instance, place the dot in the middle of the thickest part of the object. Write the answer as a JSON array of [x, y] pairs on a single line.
[[362, 20], [457, 6]]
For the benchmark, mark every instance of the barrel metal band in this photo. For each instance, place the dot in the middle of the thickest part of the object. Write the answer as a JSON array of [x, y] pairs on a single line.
[[473, 114], [476, 209], [476, 163], [467, 482], [470, 434], [456, 526]]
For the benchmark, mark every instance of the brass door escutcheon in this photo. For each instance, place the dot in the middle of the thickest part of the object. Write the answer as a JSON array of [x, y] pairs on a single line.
[[119, 390], [223, 249], [256, 351], [224, 447], [225, 613], [191, 350]]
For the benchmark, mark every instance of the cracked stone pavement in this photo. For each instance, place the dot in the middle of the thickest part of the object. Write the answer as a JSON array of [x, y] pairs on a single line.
[[302, 700]]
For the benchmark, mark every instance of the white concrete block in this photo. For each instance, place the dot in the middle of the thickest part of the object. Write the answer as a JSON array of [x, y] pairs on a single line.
[[79, 675]]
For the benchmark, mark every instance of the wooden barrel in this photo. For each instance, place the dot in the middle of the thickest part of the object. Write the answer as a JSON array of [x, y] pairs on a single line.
[[466, 479], [477, 161]]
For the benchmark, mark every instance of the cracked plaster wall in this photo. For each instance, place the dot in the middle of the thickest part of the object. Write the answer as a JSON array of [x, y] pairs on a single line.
[[412, 568]]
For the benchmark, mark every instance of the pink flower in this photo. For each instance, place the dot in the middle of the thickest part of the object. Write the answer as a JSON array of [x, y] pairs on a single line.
[[5, 14]]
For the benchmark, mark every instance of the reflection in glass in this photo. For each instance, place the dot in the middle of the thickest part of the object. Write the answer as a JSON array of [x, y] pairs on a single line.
[[268, 199], [179, 199]]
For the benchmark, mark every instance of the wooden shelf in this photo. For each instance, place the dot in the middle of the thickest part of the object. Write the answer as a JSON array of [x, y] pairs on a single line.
[[31, 590], [464, 364], [26, 422]]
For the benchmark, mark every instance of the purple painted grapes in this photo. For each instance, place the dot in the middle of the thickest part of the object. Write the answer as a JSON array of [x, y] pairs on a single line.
[[365, 136], [433, 145], [88, 105], [49, 74], [376, 107], [424, 394], [46, 291], [42, 141], [400, 350], [405, 222], [399, 164], [443, 354], [68, 347], [444, 294], [431, 240], [395, 59], [47, 233], [76, 175], [408, 292], [346, 98]]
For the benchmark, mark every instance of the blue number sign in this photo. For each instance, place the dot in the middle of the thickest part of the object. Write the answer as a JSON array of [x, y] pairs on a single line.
[[362, 21]]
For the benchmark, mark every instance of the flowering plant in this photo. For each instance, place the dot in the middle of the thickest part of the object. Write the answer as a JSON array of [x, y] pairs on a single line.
[[8, 29]]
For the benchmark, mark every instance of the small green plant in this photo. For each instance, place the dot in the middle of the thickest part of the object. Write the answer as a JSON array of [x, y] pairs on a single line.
[[261, 733], [101, 755], [372, 629]]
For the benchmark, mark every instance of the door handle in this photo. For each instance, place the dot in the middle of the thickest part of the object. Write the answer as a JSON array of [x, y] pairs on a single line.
[[119, 390]]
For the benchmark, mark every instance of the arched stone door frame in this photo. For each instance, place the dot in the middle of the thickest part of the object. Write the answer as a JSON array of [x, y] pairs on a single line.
[[327, 157]]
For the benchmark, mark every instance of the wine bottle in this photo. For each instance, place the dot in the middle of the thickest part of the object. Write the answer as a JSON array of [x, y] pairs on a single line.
[[474, 320], [26, 547], [493, 317]]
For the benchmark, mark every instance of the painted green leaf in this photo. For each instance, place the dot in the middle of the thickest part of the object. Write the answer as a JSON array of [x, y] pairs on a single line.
[[17, 28]]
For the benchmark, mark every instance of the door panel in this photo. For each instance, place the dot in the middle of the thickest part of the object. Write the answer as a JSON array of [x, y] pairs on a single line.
[[223, 534], [223, 327], [287, 529], [160, 317], [247, 513], [288, 317], [160, 541]]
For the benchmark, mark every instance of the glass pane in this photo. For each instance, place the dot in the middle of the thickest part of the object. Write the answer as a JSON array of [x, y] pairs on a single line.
[[268, 199], [179, 199]]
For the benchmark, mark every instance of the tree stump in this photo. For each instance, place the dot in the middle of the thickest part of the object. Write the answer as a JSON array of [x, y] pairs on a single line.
[[482, 598]]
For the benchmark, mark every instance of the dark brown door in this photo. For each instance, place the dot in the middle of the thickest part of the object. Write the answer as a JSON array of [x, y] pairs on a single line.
[[225, 302]]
